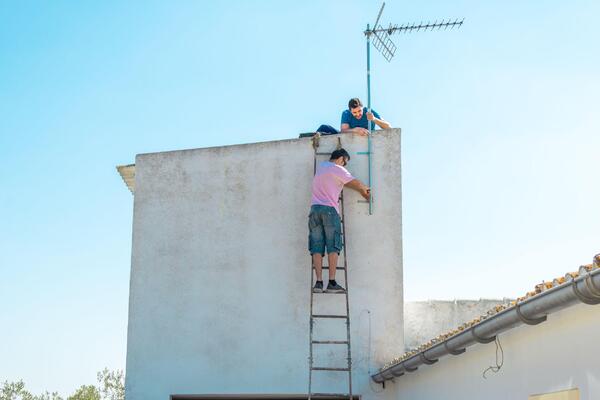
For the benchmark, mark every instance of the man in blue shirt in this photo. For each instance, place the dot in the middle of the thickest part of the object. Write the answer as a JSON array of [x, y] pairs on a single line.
[[354, 119]]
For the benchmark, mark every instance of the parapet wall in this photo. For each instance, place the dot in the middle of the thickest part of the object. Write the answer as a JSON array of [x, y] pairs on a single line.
[[424, 320]]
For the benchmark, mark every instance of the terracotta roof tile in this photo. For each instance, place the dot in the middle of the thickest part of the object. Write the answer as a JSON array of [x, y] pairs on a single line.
[[539, 288]]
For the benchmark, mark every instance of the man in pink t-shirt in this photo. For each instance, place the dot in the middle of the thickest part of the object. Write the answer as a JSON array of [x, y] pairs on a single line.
[[325, 230]]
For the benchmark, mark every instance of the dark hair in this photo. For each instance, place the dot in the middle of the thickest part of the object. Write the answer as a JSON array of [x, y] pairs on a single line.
[[339, 153], [353, 103]]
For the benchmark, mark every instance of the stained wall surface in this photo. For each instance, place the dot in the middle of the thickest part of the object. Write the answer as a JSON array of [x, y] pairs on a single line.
[[424, 320], [220, 280], [559, 354]]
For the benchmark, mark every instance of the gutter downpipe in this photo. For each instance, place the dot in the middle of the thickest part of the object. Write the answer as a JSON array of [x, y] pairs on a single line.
[[585, 289]]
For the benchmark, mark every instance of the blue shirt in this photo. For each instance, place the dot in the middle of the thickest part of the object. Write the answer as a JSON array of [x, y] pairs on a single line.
[[348, 118]]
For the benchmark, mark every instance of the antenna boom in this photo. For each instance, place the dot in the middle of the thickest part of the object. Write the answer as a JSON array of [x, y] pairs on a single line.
[[415, 27]]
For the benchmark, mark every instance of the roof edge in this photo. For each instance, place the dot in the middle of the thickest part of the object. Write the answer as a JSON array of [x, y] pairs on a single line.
[[127, 173], [577, 287]]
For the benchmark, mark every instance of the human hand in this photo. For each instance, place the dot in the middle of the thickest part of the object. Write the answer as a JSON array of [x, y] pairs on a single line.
[[362, 131], [366, 193], [370, 116]]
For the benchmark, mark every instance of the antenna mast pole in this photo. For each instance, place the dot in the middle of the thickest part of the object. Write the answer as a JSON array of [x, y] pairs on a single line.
[[387, 48], [369, 71], [369, 110], [369, 123]]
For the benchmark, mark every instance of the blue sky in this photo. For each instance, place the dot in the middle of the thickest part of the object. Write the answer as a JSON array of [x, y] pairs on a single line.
[[500, 143]]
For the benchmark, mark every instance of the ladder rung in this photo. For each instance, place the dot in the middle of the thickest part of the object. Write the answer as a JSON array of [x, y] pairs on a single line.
[[329, 342], [329, 316], [326, 292], [329, 395], [327, 268], [329, 369]]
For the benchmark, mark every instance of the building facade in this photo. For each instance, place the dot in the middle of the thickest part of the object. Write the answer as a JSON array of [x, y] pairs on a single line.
[[220, 272]]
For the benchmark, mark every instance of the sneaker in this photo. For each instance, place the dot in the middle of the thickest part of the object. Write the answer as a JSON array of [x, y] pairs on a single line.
[[336, 288], [318, 287]]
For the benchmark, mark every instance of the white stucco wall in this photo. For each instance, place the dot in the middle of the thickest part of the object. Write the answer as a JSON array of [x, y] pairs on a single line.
[[424, 320], [220, 284], [561, 353]]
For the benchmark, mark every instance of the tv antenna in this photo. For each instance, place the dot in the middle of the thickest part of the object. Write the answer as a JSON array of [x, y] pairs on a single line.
[[382, 42]]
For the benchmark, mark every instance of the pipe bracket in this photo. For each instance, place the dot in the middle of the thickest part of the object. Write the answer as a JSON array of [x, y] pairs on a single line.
[[397, 375], [583, 298], [454, 352], [427, 360], [529, 321], [591, 286], [480, 339], [411, 369]]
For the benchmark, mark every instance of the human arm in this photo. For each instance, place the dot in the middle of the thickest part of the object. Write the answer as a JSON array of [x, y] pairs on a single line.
[[360, 187], [345, 128], [380, 122]]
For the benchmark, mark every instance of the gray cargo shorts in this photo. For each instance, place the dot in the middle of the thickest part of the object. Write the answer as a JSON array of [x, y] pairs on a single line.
[[325, 230]]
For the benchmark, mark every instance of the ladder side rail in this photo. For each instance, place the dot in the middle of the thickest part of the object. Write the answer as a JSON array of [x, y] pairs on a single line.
[[347, 298], [312, 282], [311, 321]]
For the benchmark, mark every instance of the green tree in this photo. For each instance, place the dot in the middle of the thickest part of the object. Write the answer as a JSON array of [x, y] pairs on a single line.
[[112, 384], [14, 391], [47, 396], [86, 392], [17, 391]]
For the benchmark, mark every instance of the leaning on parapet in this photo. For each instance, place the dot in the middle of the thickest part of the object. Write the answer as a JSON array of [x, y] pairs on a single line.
[[356, 119]]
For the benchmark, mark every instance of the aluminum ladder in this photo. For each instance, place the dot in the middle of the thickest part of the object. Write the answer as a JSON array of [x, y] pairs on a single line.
[[314, 317]]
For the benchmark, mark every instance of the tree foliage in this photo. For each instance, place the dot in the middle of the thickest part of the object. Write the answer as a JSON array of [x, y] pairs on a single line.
[[111, 386], [86, 392], [14, 391], [47, 396]]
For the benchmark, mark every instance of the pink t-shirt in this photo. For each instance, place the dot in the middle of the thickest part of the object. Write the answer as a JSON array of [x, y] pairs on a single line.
[[328, 183]]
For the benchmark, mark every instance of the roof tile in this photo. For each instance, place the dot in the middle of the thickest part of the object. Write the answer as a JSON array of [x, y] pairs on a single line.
[[539, 288]]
